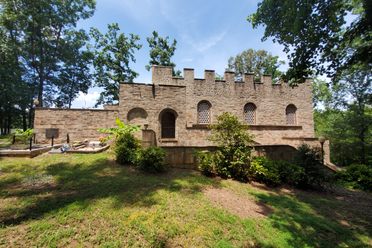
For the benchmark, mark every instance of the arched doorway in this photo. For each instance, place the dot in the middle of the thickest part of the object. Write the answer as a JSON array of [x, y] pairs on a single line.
[[168, 124]]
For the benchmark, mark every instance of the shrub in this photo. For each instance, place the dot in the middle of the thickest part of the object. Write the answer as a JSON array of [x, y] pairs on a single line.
[[273, 173], [232, 158], [205, 160], [23, 136], [126, 149], [290, 173], [265, 171], [232, 165], [152, 159], [240, 164], [357, 176], [315, 173], [120, 130], [126, 146]]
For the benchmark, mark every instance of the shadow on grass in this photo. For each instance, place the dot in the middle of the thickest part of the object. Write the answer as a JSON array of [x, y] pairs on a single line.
[[317, 220], [81, 184]]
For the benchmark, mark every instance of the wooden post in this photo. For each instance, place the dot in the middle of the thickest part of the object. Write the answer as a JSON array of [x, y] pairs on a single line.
[[52, 141], [14, 140], [30, 143], [68, 139]]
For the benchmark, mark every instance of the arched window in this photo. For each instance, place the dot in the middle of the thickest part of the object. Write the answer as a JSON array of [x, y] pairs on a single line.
[[136, 113], [168, 124], [250, 113], [204, 112], [290, 113]]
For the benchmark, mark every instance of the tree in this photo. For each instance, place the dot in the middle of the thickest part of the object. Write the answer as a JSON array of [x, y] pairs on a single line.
[[113, 53], [36, 48], [42, 27], [258, 62], [346, 116], [161, 51], [322, 95], [356, 83], [15, 93], [75, 75], [316, 35]]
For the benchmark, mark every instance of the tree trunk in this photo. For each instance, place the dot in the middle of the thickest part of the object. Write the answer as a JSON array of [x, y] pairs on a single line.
[[31, 115], [24, 119], [9, 124], [1, 124], [363, 148], [40, 87], [363, 129]]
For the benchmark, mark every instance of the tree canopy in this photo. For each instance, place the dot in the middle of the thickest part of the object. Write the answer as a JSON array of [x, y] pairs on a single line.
[[161, 51], [258, 62], [344, 115], [113, 53], [40, 50], [317, 35]]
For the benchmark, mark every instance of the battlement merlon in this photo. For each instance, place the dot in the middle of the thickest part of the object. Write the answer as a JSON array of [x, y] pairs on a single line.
[[162, 75]]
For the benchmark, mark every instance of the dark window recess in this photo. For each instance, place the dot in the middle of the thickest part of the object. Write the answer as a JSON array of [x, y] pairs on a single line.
[[168, 125]]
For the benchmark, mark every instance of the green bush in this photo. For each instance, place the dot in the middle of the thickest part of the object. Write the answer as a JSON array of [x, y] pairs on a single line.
[[290, 173], [315, 173], [205, 160], [152, 159], [23, 137], [264, 170], [126, 149], [357, 176], [274, 173], [232, 158], [232, 164], [126, 146]]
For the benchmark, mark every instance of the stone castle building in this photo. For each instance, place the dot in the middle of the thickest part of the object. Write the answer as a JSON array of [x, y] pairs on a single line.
[[174, 113]]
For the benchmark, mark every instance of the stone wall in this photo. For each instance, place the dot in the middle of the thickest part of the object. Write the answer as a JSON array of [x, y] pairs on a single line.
[[144, 104], [182, 96], [80, 124]]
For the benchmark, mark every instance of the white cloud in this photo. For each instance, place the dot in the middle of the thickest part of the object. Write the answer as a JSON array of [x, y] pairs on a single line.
[[206, 43], [86, 100]]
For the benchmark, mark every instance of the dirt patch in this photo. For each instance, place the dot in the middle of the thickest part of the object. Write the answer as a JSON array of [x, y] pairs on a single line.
[[241, 206]]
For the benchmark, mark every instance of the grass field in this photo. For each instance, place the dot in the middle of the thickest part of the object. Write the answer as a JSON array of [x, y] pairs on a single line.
[[5, 141], [88, 200]]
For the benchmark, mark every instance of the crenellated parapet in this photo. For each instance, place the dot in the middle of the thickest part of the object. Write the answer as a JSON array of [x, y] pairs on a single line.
[[162, 75]]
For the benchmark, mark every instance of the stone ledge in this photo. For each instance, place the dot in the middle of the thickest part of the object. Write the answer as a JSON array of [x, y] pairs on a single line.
[[25, 153], [76, 109], [252, 127], [98, 150], [301, 138], [198, 126], [172, 85], [168, 140], [277, 127]]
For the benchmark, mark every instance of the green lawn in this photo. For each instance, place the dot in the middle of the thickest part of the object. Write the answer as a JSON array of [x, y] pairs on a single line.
[[88, 200], [5, 141]]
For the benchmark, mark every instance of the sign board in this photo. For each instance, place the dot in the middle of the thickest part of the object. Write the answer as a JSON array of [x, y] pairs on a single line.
[[51, 133]]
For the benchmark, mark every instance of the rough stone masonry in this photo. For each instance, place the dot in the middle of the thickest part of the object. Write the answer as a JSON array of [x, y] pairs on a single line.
[[175, 112]]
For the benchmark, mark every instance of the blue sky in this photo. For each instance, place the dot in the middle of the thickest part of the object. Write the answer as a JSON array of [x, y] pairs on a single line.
[[207, 32]]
